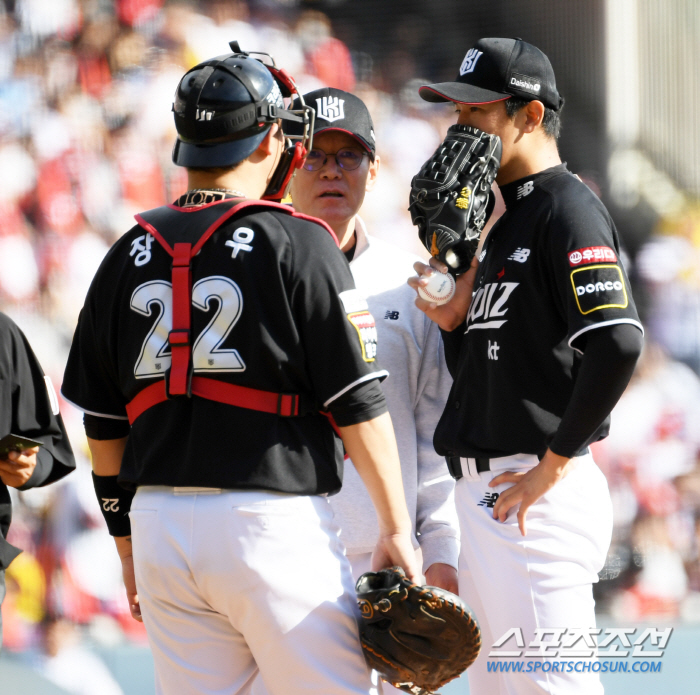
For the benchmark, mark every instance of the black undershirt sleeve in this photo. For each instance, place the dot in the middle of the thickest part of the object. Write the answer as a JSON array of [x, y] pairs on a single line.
[[101, 428], [44, 464], [364, 402], [609, 357], [452, 341]]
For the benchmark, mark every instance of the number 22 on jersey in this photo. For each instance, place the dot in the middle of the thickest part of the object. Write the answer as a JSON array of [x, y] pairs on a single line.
[[207, 355]]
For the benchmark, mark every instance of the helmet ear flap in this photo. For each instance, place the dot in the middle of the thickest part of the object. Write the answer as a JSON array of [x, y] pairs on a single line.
[[292, 159], [299, 155]]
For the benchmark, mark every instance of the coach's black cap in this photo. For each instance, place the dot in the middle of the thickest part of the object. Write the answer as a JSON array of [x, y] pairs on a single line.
[[496, 69], [342, 111]]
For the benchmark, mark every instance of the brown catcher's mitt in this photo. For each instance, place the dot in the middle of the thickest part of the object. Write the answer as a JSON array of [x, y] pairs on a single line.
[[417, 637]]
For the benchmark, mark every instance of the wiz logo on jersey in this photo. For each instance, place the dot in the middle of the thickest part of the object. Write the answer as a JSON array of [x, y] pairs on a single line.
[[489, 305]]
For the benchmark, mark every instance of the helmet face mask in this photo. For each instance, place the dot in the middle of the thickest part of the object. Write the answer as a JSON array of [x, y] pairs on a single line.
[[223, 110]]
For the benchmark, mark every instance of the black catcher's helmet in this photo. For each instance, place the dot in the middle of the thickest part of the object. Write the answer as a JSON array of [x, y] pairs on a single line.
[[224, 107]]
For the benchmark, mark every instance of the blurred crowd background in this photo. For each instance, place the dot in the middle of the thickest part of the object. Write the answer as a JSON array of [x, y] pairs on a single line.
[[86, 134]]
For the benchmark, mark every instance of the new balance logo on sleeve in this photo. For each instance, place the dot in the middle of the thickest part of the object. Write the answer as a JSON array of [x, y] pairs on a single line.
[[525, 189]]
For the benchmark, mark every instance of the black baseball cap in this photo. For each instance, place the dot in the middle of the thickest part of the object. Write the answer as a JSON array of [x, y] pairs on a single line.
[[497, 69], [338, 110]]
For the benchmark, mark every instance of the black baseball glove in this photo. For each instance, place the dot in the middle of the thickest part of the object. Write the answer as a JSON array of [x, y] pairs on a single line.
[[451, 198], [417, 637]]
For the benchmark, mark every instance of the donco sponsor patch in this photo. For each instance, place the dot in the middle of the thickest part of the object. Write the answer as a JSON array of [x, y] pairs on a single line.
[[599, 287], [592, 254], [367, 332]]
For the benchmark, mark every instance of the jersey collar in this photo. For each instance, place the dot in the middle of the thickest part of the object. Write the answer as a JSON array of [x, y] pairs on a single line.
[[361, 240], [206, 196], [517, 191]]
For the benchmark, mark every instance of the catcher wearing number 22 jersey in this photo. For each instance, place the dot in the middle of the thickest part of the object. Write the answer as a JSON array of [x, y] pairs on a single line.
[[217, 338], [541, 338]]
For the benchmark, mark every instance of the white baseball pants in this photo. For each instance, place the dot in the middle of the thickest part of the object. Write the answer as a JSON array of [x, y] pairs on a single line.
[[542, 580], [235, 582]]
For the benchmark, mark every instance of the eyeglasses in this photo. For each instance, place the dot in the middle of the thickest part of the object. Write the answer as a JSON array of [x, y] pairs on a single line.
[[348, 160]]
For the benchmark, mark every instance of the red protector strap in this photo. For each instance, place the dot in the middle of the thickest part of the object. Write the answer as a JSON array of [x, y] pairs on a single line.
[[179, 337], [283, 404]]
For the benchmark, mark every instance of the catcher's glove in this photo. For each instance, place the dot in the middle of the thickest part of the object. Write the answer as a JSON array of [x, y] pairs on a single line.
[[451, 198], [417, 637]]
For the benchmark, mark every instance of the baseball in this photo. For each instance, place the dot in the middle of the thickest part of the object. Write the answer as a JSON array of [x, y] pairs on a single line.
[[440, 288]]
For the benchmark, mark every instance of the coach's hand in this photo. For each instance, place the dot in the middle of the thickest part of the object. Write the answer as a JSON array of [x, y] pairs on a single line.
[[17, 468], [127, 558], [453, 314], [442, 576], [529, 486], [396, 549]]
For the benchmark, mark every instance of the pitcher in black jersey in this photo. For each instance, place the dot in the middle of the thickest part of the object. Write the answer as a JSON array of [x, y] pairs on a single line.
[[541, 338], [221, 350]]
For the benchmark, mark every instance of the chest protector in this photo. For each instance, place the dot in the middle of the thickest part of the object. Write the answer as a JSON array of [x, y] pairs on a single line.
[[182, 232]]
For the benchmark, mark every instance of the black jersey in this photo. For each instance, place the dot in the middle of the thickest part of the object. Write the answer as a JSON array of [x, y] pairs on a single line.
[[29, 408], [273, 308], [549, 272]]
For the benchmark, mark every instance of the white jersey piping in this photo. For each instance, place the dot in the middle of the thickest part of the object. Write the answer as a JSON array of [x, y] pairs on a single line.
[[600, 325], [92, 412], [367, 377]]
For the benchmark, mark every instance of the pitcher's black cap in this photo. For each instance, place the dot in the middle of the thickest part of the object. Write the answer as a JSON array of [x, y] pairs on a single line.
[[497, 69], [342, 111]]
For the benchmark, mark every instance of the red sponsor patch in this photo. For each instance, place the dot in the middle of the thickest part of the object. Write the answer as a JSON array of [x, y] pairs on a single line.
[[592, 254]]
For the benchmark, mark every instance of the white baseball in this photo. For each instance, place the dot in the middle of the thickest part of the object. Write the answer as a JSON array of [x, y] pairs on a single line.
[[440, 288]]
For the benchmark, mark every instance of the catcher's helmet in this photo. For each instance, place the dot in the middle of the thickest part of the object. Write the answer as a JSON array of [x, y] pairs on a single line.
[[224, 108]]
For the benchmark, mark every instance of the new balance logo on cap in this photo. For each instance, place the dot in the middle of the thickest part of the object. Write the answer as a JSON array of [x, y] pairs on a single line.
[[470, 60], [330, 108]]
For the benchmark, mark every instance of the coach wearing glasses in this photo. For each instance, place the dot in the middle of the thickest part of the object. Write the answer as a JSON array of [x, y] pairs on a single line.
[[339, 170]]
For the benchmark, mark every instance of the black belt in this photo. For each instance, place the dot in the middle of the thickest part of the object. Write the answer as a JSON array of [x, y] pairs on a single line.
[[454, 464]]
